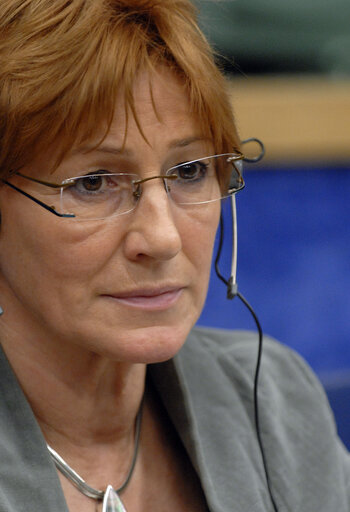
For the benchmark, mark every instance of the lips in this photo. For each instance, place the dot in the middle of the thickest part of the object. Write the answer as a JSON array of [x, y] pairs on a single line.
[[149, 299]]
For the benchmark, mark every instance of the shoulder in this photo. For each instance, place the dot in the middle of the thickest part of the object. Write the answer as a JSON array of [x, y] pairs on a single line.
[[287, 385], [237, 351], [307, 461]]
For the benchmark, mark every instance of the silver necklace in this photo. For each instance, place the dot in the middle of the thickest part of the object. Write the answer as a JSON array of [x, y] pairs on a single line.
[[109, 497]]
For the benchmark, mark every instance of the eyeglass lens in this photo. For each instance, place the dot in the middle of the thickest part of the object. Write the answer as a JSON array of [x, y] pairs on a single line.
[[102, 195]]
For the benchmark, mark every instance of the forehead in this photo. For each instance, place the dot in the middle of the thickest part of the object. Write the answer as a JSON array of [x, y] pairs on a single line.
[[159, 120], [160, 102], [158, 123]]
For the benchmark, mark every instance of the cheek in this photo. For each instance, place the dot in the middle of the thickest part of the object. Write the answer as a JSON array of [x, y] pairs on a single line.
[[43, 257], [198, 236]]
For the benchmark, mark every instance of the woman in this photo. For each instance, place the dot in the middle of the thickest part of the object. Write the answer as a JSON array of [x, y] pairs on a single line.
[[111, 112]]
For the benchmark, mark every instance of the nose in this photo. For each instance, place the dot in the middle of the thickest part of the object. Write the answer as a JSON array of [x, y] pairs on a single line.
[[153, 231]]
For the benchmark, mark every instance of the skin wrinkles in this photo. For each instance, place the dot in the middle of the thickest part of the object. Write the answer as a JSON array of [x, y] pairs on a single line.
[[156, 242], [65, 339], [117, 150]]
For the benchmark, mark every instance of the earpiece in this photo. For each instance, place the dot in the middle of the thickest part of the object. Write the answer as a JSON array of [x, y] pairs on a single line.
[[232, 291], [232, 288]]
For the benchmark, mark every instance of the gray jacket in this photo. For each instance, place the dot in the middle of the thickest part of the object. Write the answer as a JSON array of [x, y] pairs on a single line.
[[207, 390]]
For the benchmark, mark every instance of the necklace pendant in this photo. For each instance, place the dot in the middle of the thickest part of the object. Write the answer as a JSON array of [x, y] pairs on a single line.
[[112, 502]]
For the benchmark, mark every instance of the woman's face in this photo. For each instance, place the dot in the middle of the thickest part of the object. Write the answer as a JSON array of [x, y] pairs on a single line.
[[128, 287]]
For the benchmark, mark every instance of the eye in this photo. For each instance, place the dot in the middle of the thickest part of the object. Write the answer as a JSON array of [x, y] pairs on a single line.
[[91, 183], [192, 171], [99, 181]]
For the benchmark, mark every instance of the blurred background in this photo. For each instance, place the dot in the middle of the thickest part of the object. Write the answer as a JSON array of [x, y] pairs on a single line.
[[288, 65]]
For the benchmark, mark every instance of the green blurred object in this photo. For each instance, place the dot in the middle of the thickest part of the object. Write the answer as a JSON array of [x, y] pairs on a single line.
[[279, 36]]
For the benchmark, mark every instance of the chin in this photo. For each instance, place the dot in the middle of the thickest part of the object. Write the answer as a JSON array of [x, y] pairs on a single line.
[[148, 345]]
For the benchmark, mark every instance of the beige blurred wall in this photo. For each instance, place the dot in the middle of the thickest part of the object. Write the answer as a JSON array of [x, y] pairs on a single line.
[[297, 118]]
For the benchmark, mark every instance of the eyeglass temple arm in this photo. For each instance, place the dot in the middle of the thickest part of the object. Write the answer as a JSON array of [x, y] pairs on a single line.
[[42, 182], [46, 206], [237, 162]]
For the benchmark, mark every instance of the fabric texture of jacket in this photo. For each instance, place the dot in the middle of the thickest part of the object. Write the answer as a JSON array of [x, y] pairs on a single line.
[[207, 390]]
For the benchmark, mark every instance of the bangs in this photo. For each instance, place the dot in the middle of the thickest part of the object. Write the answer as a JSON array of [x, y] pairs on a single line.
[[75, 60]]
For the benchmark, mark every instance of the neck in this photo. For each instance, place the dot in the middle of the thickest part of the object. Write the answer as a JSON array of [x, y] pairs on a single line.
[[85, 404]]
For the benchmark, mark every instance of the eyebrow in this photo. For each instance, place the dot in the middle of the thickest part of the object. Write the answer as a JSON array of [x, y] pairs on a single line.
[[181, 143], [116, 150], [103, 148]]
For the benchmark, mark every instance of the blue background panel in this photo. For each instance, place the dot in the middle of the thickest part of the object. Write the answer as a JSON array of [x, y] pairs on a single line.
[[294, 269]]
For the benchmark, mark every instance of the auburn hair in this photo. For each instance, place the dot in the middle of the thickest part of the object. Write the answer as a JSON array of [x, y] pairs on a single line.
[[63, 63]]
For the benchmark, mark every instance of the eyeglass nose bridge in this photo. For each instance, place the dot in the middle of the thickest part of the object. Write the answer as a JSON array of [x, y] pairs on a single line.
[[137, 189]]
